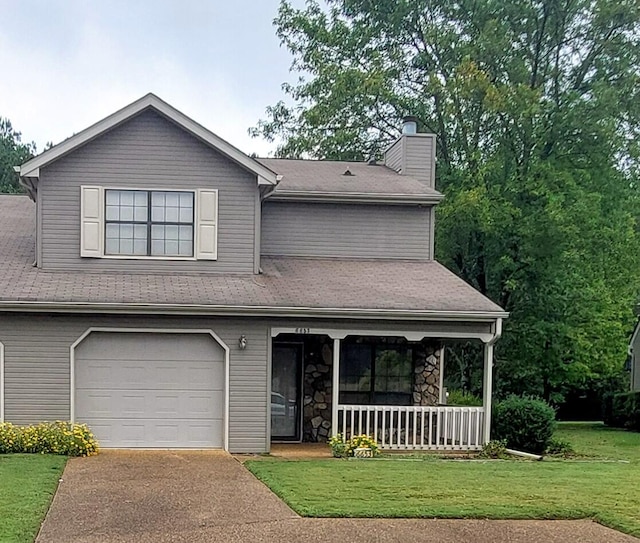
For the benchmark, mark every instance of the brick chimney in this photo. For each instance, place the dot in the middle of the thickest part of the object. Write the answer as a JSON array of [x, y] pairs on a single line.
[[413, 153]]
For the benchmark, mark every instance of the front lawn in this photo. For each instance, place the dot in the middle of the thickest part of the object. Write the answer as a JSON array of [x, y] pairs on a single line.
[[603, 485], [27, 484]]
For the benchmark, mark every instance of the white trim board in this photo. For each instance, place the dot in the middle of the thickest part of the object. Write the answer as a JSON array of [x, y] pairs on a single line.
[[217, 339], [341, 333]]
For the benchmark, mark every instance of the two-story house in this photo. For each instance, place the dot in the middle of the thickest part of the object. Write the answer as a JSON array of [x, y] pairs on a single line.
[[170, 291]]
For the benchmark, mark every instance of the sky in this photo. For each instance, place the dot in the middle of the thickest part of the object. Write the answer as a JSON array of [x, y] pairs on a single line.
[[67, 64]]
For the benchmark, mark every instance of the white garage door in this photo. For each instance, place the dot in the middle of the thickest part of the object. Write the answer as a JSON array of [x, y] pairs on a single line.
[[151, 390]]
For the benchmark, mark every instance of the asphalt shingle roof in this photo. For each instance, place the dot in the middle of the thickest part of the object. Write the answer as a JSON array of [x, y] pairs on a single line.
[[328, 176], [343, 285]]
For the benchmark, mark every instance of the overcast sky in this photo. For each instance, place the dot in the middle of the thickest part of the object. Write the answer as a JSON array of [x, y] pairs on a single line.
[[69, 63]]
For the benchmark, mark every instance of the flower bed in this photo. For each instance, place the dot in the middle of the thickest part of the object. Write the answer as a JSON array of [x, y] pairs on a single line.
[[58, 437]]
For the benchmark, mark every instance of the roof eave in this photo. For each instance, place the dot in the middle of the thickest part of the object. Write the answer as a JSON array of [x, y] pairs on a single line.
[[355, 197], [265, 174], [252, 311]]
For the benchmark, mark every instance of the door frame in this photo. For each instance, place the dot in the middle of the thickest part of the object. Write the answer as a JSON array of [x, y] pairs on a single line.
[[216, 338], [299, 428]]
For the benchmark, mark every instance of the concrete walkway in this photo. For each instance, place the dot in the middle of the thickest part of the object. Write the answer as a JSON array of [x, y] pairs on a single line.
[[171, 496]]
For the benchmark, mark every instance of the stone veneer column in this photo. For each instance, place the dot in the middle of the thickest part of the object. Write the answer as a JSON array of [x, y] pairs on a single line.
[[316, 420], [426, 374]]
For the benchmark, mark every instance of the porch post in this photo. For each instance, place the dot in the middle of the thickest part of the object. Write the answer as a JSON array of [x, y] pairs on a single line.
[[487, 390], [335, 389]]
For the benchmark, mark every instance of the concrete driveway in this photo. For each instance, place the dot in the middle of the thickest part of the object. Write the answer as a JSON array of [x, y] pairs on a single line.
[[175, 496]]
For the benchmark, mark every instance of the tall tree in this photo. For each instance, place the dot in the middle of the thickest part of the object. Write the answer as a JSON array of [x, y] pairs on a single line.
[[12, 153], [536, 109]]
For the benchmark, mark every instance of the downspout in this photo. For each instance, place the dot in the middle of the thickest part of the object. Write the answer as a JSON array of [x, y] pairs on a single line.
[[265, 192], [498, 332]]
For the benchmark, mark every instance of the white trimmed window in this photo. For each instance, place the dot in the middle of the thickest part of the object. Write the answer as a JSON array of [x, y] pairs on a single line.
[[131, 223]]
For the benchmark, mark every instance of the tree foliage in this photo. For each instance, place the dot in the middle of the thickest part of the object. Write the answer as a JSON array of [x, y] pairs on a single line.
[[12, 153], [536, 109]]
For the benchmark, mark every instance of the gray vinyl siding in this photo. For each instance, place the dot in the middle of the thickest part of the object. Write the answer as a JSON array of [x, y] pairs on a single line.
[[37, 361], [37, 367], [393, 157], [414, 156], [345, 230], [147, 152], [419, 158]]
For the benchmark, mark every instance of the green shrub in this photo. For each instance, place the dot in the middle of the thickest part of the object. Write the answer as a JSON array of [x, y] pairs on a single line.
[[526, 424], [10, 438], [338, 446], [57, 437], [460, 397], [497, 448], [559, 447], [622, 410]]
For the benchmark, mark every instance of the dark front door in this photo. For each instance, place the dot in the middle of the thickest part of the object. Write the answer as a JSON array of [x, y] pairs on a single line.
[[286, 393]]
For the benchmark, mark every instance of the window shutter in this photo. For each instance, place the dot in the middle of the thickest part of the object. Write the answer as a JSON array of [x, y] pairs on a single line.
[[91, 218], [207, 225]]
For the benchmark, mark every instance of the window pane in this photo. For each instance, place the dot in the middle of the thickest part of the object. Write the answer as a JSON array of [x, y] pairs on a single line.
[[157, 247], [126, 231], [126, 213], [186, 214], [355, 368], [113, 213], [393, 373], [113, 231], [186, 199], [140, 231], [140, 246], [157, 231], [171, 232], [141, 198], [172, 199], [140, 214], [171, 247], [126, 246], [113, 197], [112, 246], [157, 199], [171, 214], [185, 233], [126, 197], [186, 248], [157, 213]]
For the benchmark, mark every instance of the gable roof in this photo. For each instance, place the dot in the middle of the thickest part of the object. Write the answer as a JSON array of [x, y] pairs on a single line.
[[301, 287], [30, 169], [326, 180]]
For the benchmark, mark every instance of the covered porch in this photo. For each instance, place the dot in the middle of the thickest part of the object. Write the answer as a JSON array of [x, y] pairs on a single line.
[[387, 383]]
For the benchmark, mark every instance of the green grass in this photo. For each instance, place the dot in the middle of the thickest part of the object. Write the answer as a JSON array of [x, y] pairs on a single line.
[[27, 485], [603, 484]]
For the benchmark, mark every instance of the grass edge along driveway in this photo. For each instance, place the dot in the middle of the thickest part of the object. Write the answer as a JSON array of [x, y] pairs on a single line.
[[27, 485], [603, 484]]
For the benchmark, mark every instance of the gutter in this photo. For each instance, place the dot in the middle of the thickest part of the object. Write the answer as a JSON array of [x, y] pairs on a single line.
[[256, 311], [354, 197]]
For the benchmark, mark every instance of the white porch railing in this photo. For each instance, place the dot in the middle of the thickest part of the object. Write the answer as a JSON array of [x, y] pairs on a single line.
[[414, 427]]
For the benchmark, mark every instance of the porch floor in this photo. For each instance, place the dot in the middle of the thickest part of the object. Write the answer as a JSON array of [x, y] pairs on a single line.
[[301, 450]]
